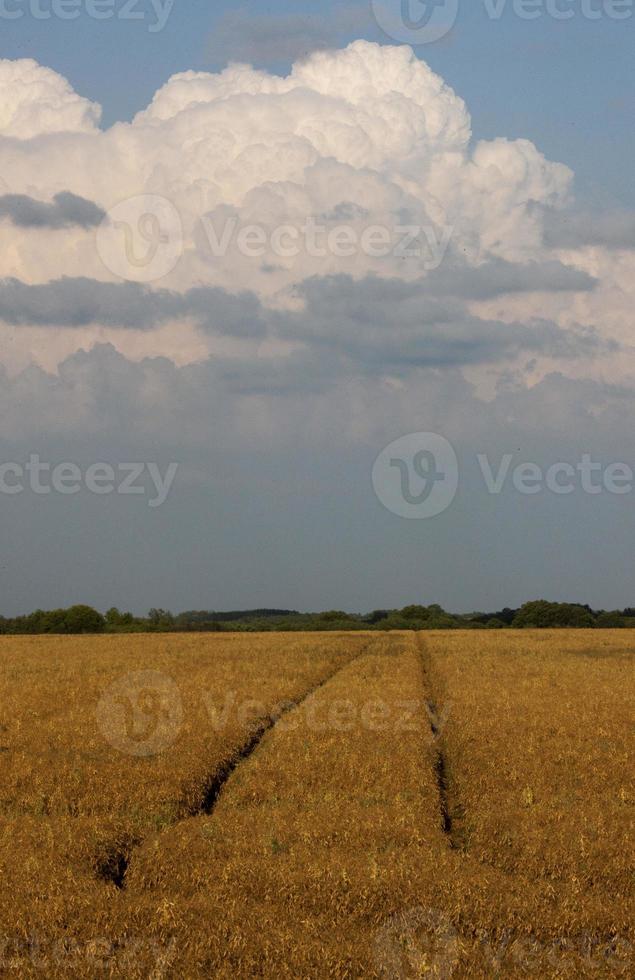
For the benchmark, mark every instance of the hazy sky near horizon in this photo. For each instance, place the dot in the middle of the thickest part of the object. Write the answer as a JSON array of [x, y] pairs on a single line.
[[243, 250]]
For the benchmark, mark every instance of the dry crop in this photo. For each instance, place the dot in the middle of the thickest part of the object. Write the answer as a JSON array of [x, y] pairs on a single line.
[[341, 805]]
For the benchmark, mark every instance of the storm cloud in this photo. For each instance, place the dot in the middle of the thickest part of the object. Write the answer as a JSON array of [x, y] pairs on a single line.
[[65, 211]]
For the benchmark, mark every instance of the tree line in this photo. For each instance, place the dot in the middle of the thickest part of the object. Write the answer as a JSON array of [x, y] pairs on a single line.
[[538, 614]]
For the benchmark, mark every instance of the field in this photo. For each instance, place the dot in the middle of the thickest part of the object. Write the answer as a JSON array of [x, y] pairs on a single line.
[[396, 805]]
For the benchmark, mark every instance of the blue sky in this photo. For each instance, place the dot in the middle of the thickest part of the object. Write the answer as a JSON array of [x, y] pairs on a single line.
[[568, 86]]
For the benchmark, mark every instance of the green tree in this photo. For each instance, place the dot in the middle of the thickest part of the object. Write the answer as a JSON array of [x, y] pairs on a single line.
[[541, 614], [83, 619], [610, 620], [334, 616], [115, 618], [417, 612], [160, 618]]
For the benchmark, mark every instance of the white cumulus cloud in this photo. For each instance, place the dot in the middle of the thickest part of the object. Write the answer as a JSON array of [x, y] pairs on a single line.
[[360, 138], [35, 100]]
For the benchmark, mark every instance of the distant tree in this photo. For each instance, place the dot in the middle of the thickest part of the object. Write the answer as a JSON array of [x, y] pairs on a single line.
[[416, 617], [83, 619], [610, 620], [116, 620], [418, 612], [54, 621], [506, 615], [77, 619], [160, 618], [436, 610], [334, 615], [441, 621], [543, 614], [376, 616]]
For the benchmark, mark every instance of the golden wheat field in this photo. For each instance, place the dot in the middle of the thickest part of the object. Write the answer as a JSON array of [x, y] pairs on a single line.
[[383, 805]]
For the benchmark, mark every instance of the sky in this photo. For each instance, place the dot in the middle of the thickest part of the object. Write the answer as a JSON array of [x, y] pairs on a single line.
[[318, 309]]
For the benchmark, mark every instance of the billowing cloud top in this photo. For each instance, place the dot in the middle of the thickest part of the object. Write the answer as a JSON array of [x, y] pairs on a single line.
[[361, 138], [35, 101], [369, 126]]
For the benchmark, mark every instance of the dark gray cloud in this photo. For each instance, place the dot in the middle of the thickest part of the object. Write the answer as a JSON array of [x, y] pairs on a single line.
[[241, 35], [79, 302], [102, 392], [390, 326], [574, 229], [66, 211], [497, 277], [375, 326]]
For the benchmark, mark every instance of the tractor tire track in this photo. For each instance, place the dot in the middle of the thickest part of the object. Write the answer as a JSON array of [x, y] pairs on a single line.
[[113, 868], [450, 808]]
